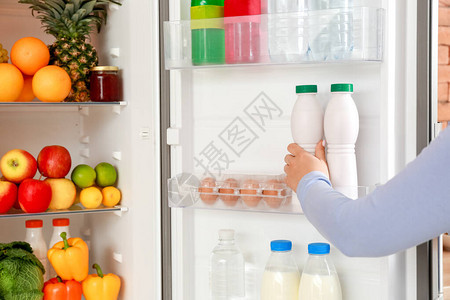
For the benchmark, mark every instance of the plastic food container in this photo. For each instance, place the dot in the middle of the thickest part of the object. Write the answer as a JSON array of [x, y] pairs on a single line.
[[231, 191]]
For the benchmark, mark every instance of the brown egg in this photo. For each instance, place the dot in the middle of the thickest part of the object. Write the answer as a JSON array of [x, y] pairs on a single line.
[[250, 187], [228, 187], [271, 188], [206, 190]]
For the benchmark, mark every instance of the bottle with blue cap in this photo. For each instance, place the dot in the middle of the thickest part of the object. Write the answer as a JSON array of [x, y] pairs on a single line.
[[281, 276], [319, 279]]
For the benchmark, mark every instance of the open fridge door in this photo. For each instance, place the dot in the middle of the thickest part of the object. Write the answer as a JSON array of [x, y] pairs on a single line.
[[233, 121]]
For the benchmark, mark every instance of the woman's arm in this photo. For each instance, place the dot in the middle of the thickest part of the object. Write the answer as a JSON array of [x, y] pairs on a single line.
[[411, 208]]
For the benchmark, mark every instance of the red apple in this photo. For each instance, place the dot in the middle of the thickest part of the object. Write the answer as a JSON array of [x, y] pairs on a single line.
[[8, 195], [54, 161], [34, 195], [17, 165]]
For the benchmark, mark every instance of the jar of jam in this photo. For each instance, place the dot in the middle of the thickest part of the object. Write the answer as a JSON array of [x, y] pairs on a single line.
[[104, 84]]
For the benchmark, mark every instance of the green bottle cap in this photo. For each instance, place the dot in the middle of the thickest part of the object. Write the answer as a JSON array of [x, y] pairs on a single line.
[[306, 89], [207, 2], [342, 87]]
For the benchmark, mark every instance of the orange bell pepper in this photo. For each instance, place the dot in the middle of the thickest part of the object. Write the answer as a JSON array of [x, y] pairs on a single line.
[[101, 287], [70, 258], [57, 289]]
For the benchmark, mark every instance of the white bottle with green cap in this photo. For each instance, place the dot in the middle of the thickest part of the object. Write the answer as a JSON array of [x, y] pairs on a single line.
[[341, 126], [307, 118]]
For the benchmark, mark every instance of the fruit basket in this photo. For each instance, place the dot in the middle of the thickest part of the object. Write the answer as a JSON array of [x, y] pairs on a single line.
[[230, 191]]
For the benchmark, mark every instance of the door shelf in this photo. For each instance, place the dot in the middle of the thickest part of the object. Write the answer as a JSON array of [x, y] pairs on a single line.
[[306, 37], [75, 209], [230, 192], [252, 193]]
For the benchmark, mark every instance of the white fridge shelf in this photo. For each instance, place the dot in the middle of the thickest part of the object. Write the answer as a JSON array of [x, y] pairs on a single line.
[[61, 104], [75, 209], [306, 37]]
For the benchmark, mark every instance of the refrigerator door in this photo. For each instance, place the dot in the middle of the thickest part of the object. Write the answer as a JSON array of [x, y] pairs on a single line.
[[208, 105], [429, 255]]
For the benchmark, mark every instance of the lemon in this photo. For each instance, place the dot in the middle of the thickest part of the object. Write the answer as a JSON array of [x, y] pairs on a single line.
[[111, 196], [91, 197]]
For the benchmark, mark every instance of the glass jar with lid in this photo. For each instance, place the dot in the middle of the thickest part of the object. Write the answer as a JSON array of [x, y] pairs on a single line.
[[104, 84]]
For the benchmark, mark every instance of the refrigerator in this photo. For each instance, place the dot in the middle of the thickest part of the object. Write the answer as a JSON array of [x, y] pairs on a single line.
[[176, 116]]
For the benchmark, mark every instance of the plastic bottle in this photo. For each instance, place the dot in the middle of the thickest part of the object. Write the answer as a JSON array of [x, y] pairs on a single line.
[[208, 35], [242, 31], [319, 279], [307, 118], [36, 240], [281, 276], [341, 126], [330, 33], [286, 20], [59, 226], [227, 268]]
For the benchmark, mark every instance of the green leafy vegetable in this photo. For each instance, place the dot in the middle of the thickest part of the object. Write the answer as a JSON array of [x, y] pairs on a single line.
[[21, 273]]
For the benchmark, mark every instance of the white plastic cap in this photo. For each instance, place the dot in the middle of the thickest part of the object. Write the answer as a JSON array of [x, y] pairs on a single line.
[[226, 234]]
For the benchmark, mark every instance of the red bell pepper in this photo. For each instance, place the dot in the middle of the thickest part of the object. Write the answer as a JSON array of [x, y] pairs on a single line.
[[57, 289]]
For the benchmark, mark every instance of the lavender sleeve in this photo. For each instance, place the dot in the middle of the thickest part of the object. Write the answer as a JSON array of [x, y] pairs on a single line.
[[409, 209]]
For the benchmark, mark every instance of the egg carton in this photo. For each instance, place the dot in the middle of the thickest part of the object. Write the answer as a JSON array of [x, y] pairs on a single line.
[[231, 191]]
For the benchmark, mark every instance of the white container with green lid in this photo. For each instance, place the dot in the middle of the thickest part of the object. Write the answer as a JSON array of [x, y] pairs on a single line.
[[307, 118], [341, 127]]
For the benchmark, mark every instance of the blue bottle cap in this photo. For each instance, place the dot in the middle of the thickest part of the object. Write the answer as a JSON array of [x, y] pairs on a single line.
[[281, 245], [319, 248]]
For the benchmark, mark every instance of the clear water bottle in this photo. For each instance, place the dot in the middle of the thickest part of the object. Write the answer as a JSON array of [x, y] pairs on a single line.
[[281, 276], [287, 41], [330, 33], [227, 268], [319, 279]]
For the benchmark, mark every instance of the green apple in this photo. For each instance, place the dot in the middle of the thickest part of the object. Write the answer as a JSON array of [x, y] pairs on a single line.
[[106, 174], [83, 176]]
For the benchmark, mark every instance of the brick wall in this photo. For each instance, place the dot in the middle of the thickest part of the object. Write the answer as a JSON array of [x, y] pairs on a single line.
[[444, 62]]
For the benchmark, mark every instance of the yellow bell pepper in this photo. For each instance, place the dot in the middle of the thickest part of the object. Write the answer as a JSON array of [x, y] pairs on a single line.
[[70, 258], [101, 287]]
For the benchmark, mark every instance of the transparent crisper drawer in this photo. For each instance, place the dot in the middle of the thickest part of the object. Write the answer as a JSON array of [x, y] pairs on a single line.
[[231, 192], [335, 35]]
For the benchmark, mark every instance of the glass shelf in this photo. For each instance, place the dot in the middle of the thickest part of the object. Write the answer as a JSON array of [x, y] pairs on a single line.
[[62, 104], [306, 37], [75, 209]]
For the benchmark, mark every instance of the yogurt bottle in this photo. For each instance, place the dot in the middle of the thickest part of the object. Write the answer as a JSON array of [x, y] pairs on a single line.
[[341, 126], [35, 238], [307, 118]]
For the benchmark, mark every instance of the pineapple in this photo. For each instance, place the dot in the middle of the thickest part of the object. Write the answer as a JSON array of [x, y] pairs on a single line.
[[3, 55], [71, 23]]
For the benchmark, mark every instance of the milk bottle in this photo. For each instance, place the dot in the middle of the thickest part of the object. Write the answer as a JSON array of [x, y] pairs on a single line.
[[341, 126], [319, 279], [35, 238], [307, 118], [281, 276]]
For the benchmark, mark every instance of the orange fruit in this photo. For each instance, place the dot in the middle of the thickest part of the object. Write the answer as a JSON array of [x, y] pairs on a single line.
[[11, 83], [29, 54], [27, 94], [51, 84]]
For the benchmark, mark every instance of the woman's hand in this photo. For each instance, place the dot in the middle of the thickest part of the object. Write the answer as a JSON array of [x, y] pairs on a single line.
[[300, 162]]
